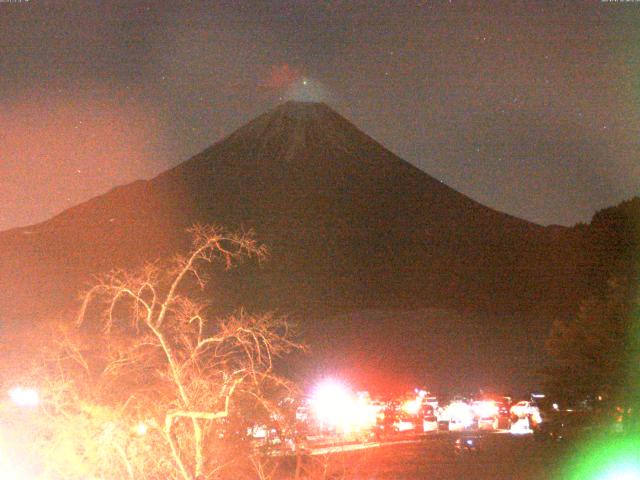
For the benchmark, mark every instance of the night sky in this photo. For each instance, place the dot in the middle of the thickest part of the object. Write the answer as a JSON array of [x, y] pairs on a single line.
[[531, 108]]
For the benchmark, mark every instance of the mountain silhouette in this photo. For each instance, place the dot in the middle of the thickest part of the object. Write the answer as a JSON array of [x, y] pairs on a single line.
[[350, 227]]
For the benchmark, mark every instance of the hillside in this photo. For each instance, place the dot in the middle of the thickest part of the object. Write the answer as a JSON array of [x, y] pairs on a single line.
[[350, 226]]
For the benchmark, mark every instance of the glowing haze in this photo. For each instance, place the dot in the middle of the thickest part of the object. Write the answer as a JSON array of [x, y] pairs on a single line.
[[59, 151]]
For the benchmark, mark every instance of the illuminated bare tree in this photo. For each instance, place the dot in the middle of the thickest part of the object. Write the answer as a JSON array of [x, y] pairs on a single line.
[[169, 365]]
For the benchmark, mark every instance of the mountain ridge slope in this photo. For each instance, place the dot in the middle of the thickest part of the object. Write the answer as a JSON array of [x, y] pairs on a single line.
[[350, 226]]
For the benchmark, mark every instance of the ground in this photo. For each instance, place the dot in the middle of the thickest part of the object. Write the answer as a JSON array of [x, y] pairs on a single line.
[[498, 457]]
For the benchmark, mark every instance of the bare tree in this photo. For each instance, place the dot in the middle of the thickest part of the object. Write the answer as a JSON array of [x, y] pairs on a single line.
[[163, 380]]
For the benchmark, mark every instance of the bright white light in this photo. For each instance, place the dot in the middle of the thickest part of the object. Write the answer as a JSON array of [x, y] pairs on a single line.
[[141, 429], [521, 427], [25, 397], [412, 407], [335, 406], [460, 413], [329, 400], [625, 471], [485, 409]]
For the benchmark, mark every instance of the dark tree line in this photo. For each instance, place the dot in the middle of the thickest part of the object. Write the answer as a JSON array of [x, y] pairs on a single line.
[[597, 354]]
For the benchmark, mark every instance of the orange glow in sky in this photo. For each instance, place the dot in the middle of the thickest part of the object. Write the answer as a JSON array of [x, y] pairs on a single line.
[[65, 149]]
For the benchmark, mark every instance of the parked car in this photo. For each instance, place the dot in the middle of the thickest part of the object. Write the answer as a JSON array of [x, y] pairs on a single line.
[[429, 419], [488, 423], [405, 423]]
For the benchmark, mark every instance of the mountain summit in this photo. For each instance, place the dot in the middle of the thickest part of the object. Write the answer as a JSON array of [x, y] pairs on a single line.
[[351, 228]]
